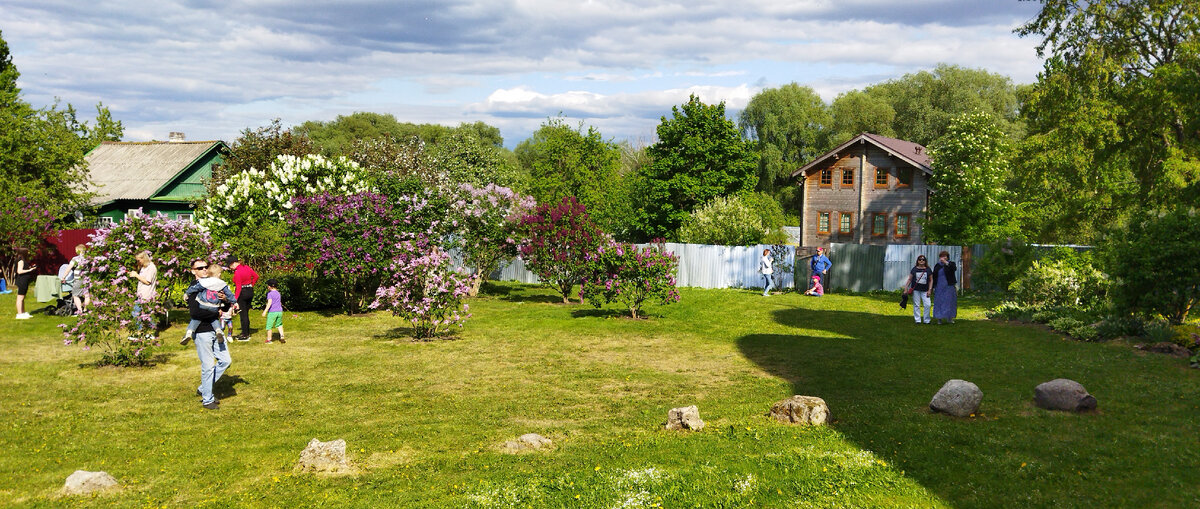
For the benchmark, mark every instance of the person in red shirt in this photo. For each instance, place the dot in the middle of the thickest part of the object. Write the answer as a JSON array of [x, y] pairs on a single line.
[[244, 279]]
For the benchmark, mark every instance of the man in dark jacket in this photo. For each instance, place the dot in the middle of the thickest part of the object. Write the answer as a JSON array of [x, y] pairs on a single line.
[[213, 353]]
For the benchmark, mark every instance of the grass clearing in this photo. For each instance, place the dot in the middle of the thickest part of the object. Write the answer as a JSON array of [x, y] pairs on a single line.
[[424, 420]]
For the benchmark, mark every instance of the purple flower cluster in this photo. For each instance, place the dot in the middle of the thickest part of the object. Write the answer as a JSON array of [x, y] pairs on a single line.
[[558, 240], [630, 275], [423, 288]]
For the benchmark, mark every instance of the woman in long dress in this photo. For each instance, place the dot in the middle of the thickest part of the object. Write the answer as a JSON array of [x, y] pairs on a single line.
[[945, 296]]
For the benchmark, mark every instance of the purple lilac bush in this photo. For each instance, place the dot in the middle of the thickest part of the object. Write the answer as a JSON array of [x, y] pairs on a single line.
[[558, 240], [424, 289], [630, 275], [487, 226]]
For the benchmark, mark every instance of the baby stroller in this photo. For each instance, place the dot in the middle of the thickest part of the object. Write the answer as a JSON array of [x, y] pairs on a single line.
[[65, 305]]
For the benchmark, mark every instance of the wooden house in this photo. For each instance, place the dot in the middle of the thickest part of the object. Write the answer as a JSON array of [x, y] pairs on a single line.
[[869, 190], [154, 176]]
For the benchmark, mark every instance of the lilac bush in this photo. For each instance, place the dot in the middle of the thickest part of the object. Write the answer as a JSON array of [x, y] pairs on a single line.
[[353, 239], [424, 289], [108, 272], [487, 224], [631, 275], [558, 240]]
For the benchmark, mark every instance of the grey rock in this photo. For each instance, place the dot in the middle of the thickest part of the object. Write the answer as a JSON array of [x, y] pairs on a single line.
[[528, 442], [83, 482], [1063, 394], [959, 398], [325, 457], [684, 418], [801, 410]]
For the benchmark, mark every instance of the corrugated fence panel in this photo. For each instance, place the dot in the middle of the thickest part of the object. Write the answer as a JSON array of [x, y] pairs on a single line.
[[899, 259], [856, 267]]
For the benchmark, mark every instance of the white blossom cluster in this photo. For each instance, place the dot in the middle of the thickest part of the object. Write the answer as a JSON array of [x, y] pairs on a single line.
[[269, 194]]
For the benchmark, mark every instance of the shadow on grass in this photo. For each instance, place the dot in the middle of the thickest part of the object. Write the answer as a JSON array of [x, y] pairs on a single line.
[[878, 373], [226, 387], [409, 334], [534, 298]]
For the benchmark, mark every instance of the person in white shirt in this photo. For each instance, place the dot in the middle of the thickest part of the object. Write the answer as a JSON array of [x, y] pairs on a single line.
[[764, 268]]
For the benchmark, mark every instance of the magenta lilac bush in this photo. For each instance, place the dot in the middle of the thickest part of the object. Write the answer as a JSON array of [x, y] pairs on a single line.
[[558, 240], [632, 276], [107, 274]]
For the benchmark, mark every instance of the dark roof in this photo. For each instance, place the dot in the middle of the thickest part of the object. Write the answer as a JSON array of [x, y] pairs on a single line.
[[138, 170], [913, 153]]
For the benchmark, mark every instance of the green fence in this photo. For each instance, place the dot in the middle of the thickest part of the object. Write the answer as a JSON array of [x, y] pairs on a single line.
[[856, 267]]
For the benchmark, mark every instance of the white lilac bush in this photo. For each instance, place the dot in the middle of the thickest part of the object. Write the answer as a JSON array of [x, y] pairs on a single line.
[[250, 209], [107, 273]]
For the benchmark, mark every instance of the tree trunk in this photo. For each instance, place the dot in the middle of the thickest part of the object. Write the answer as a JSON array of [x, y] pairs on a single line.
[[476, 282]]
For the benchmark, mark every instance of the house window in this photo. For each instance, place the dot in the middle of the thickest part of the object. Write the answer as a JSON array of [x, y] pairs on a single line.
[[904, 177], [129, 213], [184, 217], [845, 222], [902, 222], [881, 178], [106, 221], [847, 177], [823, 222], [826, 177], [879, 225]]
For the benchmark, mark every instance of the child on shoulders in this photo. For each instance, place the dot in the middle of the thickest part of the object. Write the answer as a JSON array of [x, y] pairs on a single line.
[[212, 293]]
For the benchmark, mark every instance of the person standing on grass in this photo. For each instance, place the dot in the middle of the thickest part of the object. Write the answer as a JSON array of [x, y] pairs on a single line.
[[244, 279], [820, 266], [213, 352], [147, 285], [273, 311], [918, 284], [79, 293], [26, 273], [945, 298], [764, 268]]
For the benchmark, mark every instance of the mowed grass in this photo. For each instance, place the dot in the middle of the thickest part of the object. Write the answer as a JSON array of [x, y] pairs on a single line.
[[424, 421]]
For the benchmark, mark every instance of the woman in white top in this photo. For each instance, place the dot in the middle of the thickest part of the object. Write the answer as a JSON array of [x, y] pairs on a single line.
[[764, 268], [147, 286]]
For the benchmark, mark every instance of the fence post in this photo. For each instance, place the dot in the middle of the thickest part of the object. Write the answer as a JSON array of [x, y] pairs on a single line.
[[966, 268]]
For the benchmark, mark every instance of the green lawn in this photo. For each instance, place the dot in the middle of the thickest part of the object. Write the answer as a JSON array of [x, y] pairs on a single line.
[[425, 421]]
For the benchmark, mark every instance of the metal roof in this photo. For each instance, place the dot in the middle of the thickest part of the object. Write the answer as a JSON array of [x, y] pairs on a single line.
[[913, 153], [139, 170]]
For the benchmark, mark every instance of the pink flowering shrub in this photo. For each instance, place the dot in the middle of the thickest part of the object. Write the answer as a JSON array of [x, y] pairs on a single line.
[[631, 275], [423, 288], [352, 240], [487, 223], [558, 239], [108, 272]]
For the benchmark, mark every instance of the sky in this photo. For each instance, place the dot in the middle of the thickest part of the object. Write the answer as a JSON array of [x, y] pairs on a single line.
[[211, 69]]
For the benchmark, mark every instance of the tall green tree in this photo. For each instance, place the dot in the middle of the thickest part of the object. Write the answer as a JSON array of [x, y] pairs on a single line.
[[856, 112], [700, 155], [564, 161], [968, 200], [1115, 115], [335, 137], [789, 126]]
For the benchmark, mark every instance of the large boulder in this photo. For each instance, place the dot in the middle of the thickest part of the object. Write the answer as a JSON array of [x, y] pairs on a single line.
[[801, 410], [684, 418], [83, 482], [1063, 394], [959, 398], [527, 442], [325, 457]]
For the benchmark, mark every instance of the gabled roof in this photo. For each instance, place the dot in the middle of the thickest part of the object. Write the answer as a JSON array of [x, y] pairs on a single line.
[[910, 152], [140, 170]]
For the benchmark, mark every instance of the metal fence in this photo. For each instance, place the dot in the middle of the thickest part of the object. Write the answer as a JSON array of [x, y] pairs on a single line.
[[863, 268], [700, 266]]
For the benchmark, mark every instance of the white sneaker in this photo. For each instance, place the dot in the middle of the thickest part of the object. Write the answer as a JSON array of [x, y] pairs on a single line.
[[24, 316]]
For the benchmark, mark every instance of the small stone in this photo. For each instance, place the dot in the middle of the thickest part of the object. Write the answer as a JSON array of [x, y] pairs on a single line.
[[1063, 394], [959, 398], [325, 457], [684, 418], [528, 442], [801, 410], [83, 482], [1168, 348]]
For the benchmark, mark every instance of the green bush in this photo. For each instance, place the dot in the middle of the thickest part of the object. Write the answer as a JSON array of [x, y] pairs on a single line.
[[1154, 265], [1064, 278], [1004, 262], [1046, 315], [1159, 331], [1085, 332], [1120, 326], [725, 221], [1065, 324], [299, 291], [1009, 310]]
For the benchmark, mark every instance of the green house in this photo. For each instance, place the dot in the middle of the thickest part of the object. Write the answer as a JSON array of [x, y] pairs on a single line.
[[155, 176]]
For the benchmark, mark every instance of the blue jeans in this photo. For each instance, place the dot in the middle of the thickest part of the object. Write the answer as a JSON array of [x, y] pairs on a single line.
[[214, 360], [768, 284]]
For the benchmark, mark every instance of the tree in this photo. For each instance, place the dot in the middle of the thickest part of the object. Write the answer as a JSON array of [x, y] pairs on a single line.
[[1154, 265], [734, 221], [968, 201], [335, 137], [558, 239], [258, 148], [857, 112], [789, 126], [465, 158], [486, 223], [699, 156], [1115, 114], [563, 161]]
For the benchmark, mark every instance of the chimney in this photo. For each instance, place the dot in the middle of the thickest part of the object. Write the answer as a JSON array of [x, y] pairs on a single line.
[[176, 137]]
